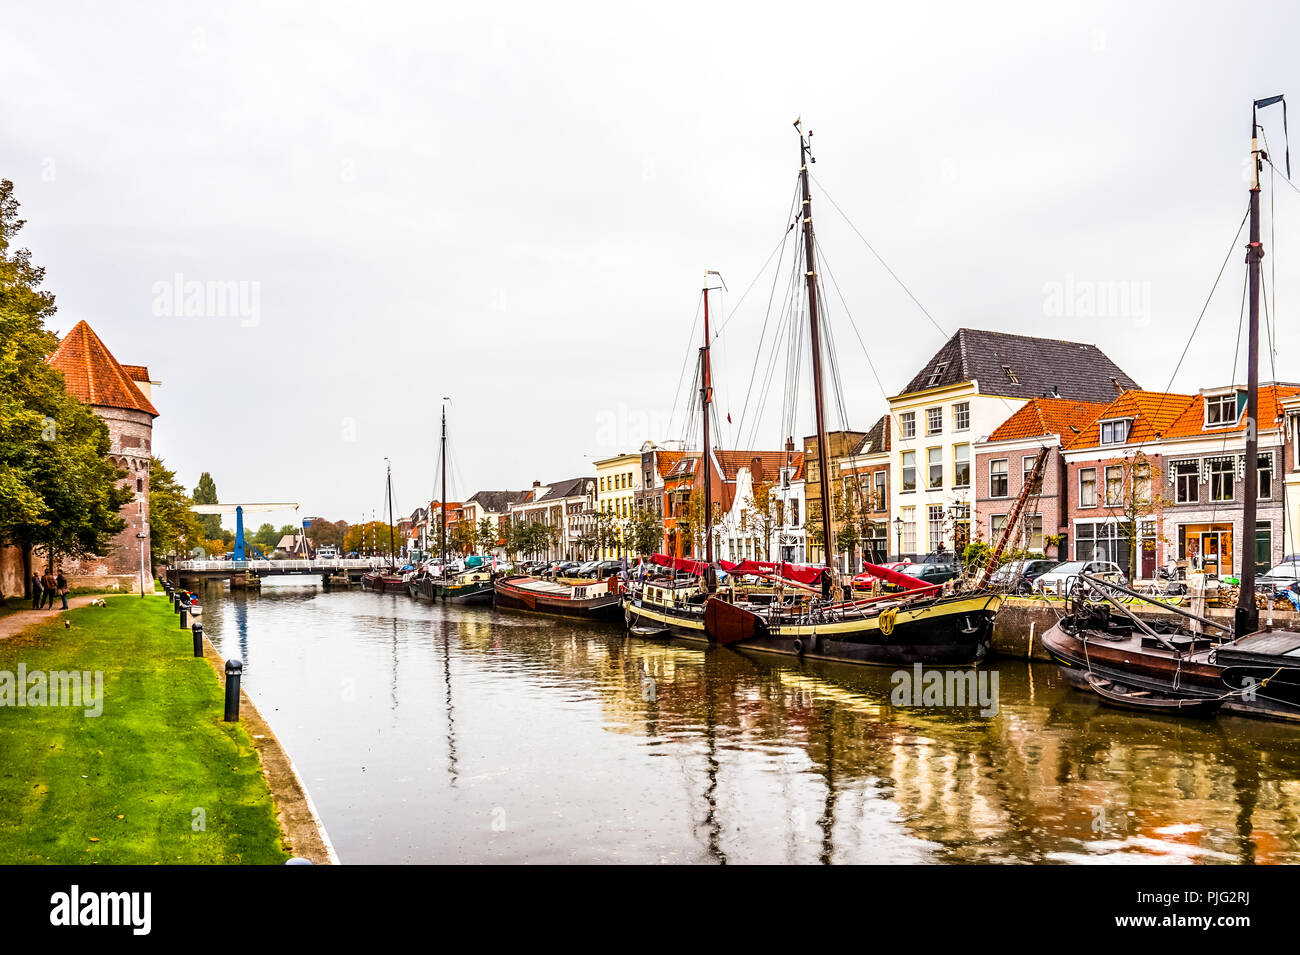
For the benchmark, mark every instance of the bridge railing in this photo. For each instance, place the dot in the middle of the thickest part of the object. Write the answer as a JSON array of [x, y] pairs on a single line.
[[280, 566]]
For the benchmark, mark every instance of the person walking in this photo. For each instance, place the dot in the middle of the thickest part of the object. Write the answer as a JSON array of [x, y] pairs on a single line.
[[37, 590], [61, 584], [51, 584]]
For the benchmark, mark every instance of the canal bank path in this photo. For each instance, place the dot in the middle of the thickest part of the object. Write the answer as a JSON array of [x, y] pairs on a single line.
[[141, 768]]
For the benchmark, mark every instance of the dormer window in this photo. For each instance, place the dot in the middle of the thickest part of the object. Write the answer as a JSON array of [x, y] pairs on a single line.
[[937, 374], [1220, 410], [1115, 432]]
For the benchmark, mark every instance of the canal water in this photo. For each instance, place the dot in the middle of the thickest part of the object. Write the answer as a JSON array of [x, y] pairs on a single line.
[[432, 734]]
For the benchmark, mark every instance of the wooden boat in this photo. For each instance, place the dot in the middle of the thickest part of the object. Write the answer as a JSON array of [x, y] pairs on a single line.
[[473, 586], [383, 582], [1152, 701], [386, 579], [583, 599]]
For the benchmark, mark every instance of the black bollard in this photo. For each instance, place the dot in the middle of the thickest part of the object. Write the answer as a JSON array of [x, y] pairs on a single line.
[[185, 619], [198, 638], [234, 669]]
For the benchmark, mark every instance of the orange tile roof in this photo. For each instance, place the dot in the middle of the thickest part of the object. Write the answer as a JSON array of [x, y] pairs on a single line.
[[665, 461], [767, 468], [92, 375], [1040, 417], [1191, 423], [1152, 412], [137, 372]]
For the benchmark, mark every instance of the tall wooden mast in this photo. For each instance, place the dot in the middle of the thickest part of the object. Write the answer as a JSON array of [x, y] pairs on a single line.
[[392, 544], [1247, 615], [814, 324], [706, 397], [442, 505]]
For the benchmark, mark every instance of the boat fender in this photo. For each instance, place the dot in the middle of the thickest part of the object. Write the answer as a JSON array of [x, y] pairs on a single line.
[[812, 642], [887, 620], [798, 646]]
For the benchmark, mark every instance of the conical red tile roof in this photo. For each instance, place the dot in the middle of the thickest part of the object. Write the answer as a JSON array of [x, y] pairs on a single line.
[[92, 375]]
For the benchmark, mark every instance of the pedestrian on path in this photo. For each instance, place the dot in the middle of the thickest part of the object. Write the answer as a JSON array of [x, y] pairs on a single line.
[[37, 591], [61, 583], [51, 584]]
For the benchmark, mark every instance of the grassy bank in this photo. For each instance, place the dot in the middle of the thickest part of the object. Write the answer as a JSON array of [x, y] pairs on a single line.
[[157, 777]]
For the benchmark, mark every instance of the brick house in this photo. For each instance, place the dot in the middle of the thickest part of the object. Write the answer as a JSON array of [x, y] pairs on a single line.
[[1205, 467], [864, 480], [1104, 460], [1004, 459], [1291, 471]]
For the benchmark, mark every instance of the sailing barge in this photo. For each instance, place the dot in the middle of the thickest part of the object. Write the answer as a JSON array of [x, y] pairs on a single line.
[[800, 616], [582, 600]]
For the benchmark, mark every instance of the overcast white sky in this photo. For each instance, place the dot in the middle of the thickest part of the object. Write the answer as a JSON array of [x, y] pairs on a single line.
[[516, 208]]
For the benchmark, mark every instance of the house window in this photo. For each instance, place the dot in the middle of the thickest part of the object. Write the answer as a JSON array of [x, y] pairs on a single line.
[[997, 524], [794, 512], [961, 416], [933, 420], [907, 424], [1187, 482], [878, 497], [1087, 487], [1220, 410], [939, 369], [1011, 375], [961, 465], [1101, 541], [998, 478], [1114, 486], [1033, 532], [1026, 469], [934, 457], [1142, 482], [1266, 475], [909, 471], [935, 514], [909, 529], [1114, 432], [1221, 473]]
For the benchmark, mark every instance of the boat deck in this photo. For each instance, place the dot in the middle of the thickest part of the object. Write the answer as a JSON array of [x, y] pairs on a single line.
[[1267, 648]]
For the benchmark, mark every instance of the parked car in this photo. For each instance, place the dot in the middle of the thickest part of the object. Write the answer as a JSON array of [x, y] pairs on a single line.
[[864, 580], [929, 574], [1019, 575], [1284, 576], [600, 568], [1062, 576]]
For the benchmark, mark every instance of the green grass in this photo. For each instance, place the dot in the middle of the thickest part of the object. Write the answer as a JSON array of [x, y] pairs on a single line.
[[123, 787]]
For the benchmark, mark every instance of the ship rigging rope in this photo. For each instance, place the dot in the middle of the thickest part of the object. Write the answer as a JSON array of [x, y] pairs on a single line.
[[1196, 327], [883, 263]]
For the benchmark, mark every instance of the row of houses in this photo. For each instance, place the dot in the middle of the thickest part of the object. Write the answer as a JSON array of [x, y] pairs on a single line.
[[1138, 477]]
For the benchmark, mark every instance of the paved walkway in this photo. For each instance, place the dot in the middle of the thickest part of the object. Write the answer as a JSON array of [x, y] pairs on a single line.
[[20, 620]]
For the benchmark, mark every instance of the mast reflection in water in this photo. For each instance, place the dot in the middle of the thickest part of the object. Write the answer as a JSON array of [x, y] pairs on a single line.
[[429, 733]]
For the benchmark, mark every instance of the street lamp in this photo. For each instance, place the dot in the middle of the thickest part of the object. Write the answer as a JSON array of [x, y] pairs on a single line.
[[898, 532], [141, 536]]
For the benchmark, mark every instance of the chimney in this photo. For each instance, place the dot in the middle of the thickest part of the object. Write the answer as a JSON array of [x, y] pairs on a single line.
[[537, 484], [789, 449]]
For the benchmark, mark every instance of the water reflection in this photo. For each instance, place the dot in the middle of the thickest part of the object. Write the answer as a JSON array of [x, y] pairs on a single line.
[[466, 735]]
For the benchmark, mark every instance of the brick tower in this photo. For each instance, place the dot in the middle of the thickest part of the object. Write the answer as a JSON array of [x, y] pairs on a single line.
[[119, 396]]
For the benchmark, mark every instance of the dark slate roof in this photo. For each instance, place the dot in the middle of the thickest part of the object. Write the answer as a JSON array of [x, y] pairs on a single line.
[[496, 502], [876, 439], [570, 488], [1037, 365]]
